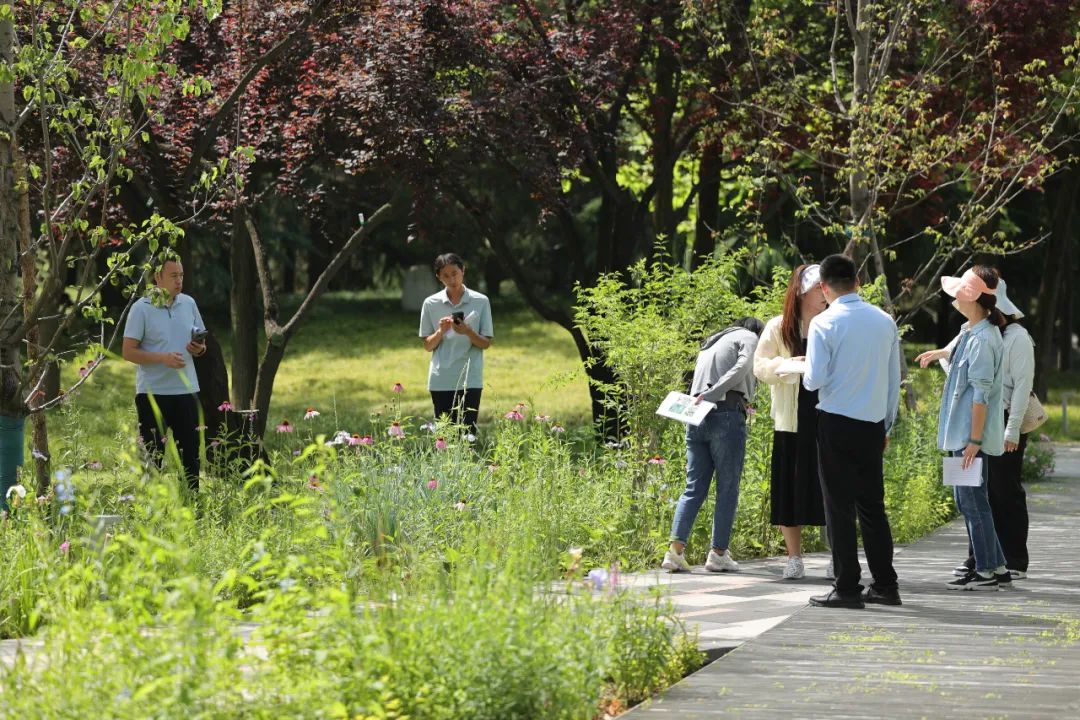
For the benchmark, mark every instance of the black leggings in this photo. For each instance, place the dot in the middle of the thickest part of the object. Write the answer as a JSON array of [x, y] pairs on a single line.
[[178, 413], [461, 406]]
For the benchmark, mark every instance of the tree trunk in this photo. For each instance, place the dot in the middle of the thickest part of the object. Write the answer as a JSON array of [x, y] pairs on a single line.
[[1065, 333], [858, 186], [708, 217], [42, 371], [1062, 194], [213, 385], [244, 315], [12, 407], [273, 354], [663, 151]]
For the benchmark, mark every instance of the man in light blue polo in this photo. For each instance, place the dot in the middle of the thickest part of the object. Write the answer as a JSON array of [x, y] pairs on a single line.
[[164, 331], [455, 325], [853, 361]]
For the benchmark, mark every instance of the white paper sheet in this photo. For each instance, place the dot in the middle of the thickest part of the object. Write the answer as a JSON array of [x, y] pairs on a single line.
[[681, 407], [953, 474], [792, 367]]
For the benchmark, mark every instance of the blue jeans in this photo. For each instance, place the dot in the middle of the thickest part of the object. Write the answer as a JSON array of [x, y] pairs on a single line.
[[974, 504], [716, 446]]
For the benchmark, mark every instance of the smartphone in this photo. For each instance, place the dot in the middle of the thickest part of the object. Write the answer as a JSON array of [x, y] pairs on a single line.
[[198, 334], [458, 317]]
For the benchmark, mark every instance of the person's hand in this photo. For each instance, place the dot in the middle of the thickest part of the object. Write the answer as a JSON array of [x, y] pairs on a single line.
[[886, 445], [970, 451], [446, 323], [697, 399], [196, 348], [1010, 446], [173, 360], [924, 359]]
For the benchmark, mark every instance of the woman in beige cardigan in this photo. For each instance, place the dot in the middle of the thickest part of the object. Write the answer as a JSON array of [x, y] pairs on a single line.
[[796, 487]]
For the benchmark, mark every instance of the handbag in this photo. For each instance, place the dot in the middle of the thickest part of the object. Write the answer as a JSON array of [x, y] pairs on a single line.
[[1034, 415]]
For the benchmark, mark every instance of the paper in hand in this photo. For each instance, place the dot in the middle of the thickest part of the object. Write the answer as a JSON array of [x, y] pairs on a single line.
[[953, 472], [792, 367]]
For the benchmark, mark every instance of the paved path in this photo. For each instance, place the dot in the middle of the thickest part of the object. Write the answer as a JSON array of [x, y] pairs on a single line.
[[1010, 654]]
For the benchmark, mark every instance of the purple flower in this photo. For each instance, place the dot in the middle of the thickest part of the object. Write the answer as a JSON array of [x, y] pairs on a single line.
[[395, 430], [65, 546], [127, 498], [225, 406], [284, 427], [93, 465], [514, 415], [398, 388], [440, 443], [598, 577], [311, 414], [542, 418], [657, 460], [557, 428], [432, 484]]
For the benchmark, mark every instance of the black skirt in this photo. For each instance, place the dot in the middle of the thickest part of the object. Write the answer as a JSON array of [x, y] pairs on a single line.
[[796, 486]]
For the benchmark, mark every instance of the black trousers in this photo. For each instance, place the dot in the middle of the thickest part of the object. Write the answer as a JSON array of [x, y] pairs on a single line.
[[461, 406], [1008, 503], [176, 413], [850, 455]]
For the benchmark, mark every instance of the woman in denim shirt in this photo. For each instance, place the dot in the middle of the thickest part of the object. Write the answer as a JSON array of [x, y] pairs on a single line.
[[971, 420]]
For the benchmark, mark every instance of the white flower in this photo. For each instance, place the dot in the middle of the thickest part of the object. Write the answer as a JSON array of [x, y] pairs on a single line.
[[470, 437], [17, 490]]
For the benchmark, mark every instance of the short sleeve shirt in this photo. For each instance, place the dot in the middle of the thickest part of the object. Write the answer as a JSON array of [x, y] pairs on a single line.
[[456, 364], [165, 328]]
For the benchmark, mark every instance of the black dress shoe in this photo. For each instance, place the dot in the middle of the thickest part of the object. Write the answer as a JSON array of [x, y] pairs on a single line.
[[836, 600], [889, 597]]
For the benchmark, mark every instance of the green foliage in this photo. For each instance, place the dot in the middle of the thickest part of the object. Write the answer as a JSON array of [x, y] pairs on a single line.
[[647, 327], [1038, 461], [465, 622]]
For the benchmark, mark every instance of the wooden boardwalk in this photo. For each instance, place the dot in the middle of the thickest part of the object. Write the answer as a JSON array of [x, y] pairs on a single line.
[[943, 654]]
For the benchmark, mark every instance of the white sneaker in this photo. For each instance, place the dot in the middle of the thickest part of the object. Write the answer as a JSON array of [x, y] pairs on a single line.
[[721, 563], [675, 562], [794, 569], [830, 573]]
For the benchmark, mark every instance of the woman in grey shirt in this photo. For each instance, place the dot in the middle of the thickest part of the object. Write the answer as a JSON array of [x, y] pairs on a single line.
[[724, 374]]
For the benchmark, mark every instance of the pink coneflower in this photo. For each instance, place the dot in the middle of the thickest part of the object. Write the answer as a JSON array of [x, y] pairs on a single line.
[[514, 414], [657, 460], [432, 484], [461, 506], [440, 443], [313, 483], [93, 465], [284, 427], [542, 418], [395, 430], [84, 371], [311, 414], [398, 387], [225, 406], [214, 443], [366, 440], [557, 428], [200, 428], [65, 546]]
